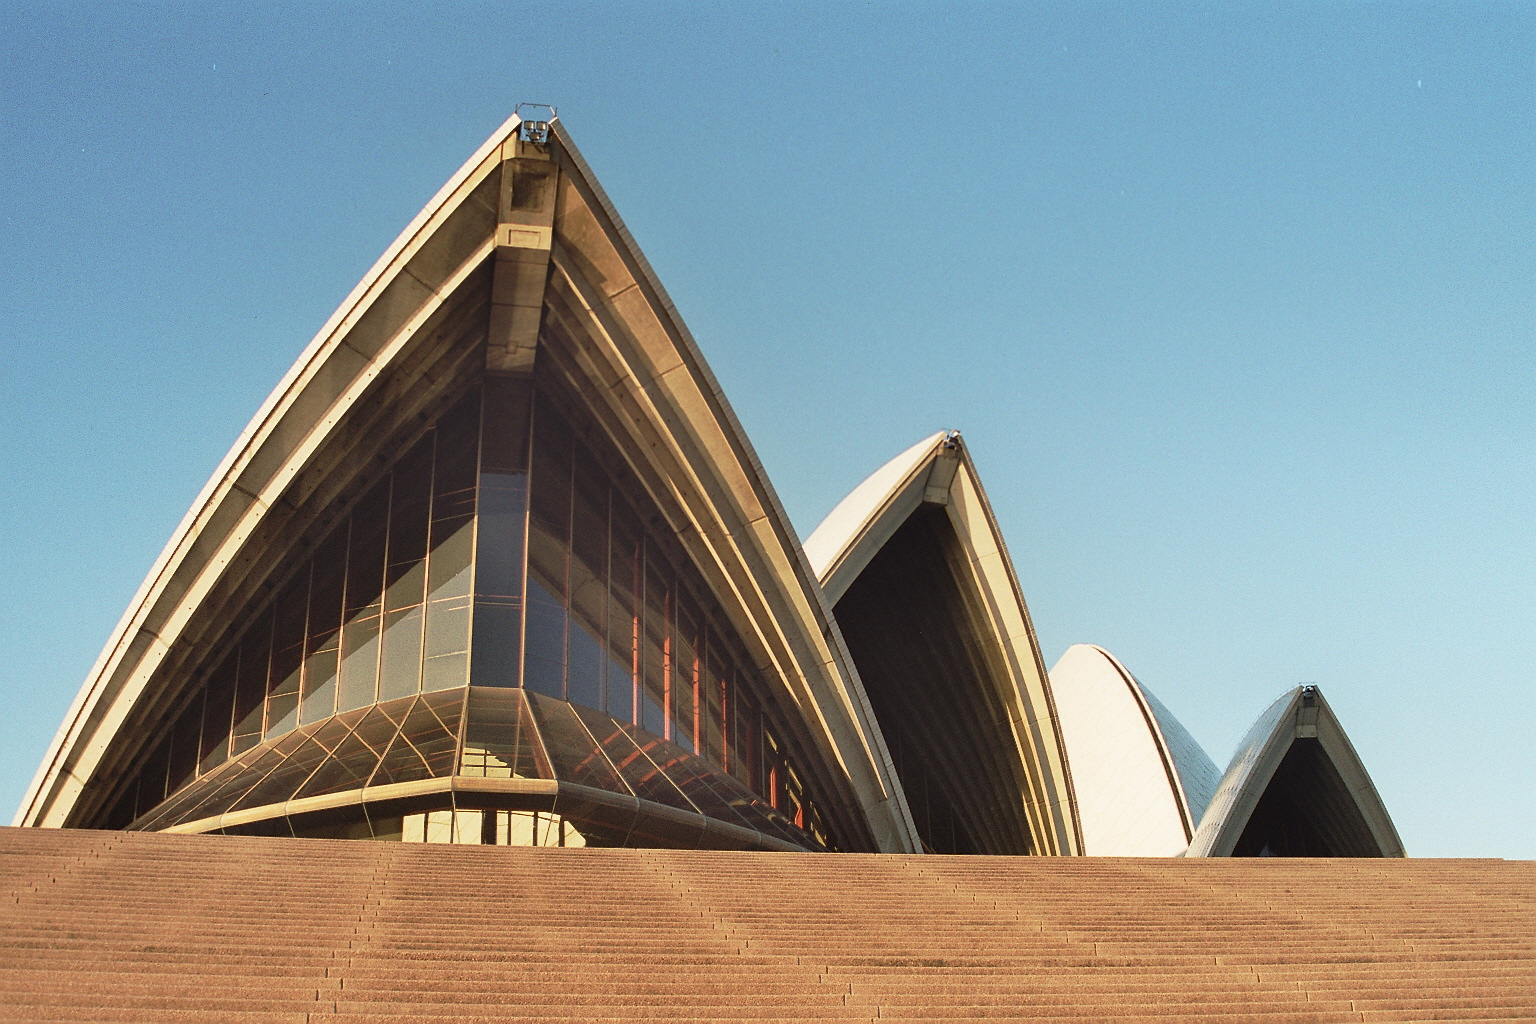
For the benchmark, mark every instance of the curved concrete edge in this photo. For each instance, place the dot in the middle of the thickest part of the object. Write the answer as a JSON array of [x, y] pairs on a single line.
[[1291, 717], [1132, 760], [939, 470], [655, 378], [326, 379], [845, 530]]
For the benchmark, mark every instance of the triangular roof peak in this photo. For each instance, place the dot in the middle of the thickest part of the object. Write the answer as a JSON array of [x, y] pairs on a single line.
[[1296, 787], [933, 488], [521, 243]]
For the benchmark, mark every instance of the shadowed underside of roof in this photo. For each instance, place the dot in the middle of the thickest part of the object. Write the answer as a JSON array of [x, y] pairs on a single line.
[[1296, 787], [142, 926], [929, 606]]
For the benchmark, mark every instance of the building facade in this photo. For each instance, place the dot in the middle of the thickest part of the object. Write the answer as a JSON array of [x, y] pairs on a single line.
[[496, 564]]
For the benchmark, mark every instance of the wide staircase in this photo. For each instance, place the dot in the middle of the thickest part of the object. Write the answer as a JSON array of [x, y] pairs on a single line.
[[98, 926]]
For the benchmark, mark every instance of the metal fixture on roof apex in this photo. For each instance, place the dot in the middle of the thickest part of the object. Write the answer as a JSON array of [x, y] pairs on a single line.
[[535, 129], [951, 440]]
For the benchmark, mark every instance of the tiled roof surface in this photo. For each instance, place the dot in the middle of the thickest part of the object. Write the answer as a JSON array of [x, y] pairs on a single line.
[[98, 926]]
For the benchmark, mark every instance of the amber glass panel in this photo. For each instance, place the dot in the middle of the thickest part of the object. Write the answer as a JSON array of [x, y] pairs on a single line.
[[573, 752], [499, 738]]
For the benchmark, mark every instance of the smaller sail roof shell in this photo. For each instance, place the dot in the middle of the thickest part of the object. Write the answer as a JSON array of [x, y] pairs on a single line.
[[937, 472], [1141, 780], [1299, 715]]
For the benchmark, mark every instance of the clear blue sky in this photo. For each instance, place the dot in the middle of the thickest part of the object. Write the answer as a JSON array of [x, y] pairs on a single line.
[[1235, 305]]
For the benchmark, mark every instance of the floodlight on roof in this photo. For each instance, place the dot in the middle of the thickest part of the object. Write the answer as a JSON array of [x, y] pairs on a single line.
[[535, 126]]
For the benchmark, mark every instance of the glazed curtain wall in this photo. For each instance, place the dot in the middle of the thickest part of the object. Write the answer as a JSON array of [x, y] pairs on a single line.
[[614, 616], [503, 524], [380, 610]]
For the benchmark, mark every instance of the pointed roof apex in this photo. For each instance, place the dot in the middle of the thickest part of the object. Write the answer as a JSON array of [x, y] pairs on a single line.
[[1296, 772]]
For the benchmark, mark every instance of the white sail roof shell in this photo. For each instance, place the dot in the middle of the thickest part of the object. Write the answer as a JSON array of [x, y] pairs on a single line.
[[1141, 780]]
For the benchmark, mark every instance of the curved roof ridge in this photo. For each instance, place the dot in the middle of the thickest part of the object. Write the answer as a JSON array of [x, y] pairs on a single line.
[[852, 518], [1134, 766], [1300, 714], [1191, 770], [937, 472]]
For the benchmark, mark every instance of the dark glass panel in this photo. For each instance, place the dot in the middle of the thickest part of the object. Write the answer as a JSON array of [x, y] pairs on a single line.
[[645, 774], [396, 710], [653, 650], [457, 460], [252, 771], [692, 776], [152, 776], [504, 428], [746, 756], [172, 810], [572, 750], [280, 783], [712, 704], [365, 556], [355, 758], [497, 645], [549, 548], [438, 745], [324, 628], [587, 658], [319, 700], [587, 661], [617, 740], [544, 664], [625, 575], [359, 663], [325, 593], [685, 673], [218, 710], [502, 521], [185, 745], [400, 659], [499, 740], [410, 502], [251, 687]]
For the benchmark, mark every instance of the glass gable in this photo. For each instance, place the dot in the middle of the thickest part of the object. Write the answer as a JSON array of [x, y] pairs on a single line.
[[503, 604]]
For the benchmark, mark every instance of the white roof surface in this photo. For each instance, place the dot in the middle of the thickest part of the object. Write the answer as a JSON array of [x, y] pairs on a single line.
[[1140, 779]]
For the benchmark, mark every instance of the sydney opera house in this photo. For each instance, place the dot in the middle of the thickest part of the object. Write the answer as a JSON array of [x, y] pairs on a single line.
[[495, 564]]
